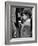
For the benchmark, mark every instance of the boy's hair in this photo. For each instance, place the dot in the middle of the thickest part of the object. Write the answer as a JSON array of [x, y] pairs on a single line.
[[27, 11]]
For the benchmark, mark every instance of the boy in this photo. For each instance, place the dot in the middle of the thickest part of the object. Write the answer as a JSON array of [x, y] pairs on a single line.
[[26, 23]]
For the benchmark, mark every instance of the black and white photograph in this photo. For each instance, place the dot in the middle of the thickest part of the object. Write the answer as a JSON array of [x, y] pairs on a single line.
[[20, 22]]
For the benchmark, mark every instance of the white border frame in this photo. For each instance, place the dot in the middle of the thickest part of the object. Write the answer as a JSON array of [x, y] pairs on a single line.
[[34, 30]]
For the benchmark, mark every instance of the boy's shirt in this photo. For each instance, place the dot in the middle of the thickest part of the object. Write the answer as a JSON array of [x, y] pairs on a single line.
[[26, 27]]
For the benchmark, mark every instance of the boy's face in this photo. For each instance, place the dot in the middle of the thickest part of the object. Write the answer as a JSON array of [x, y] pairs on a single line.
[[24, 16]]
